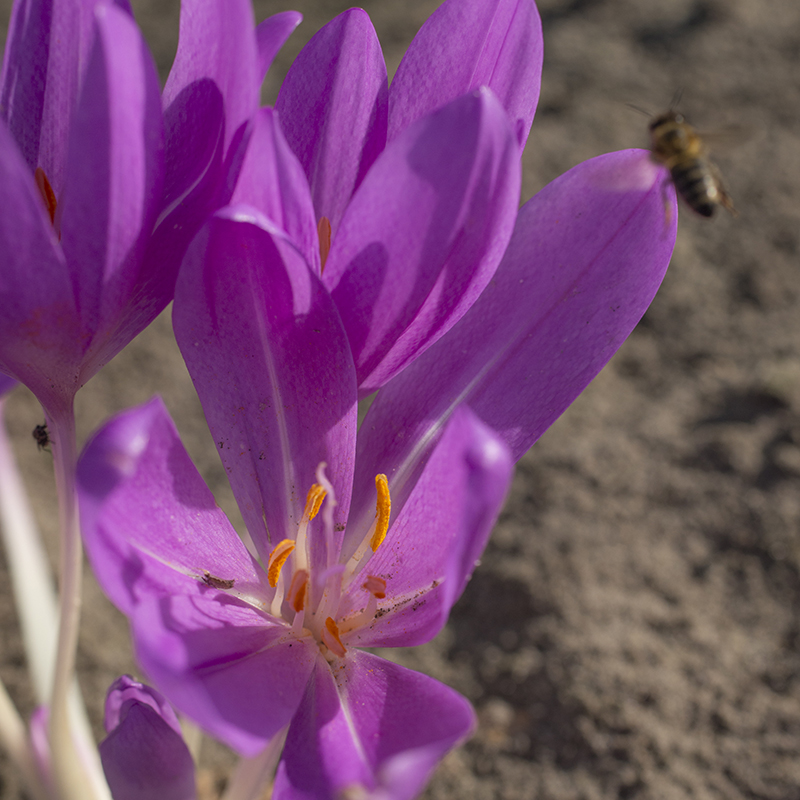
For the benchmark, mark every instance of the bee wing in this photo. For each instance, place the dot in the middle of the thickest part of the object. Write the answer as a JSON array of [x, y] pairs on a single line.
[[727, 138]]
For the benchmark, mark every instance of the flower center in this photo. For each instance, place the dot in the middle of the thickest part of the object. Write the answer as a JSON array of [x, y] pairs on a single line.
[[315, 604]]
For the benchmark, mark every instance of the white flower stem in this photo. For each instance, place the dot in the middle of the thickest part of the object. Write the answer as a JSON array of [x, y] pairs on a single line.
[[70, 763], [252, 775], [14, 738]]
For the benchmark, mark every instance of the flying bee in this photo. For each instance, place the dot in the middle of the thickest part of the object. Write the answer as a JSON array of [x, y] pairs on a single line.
[[681, 149]]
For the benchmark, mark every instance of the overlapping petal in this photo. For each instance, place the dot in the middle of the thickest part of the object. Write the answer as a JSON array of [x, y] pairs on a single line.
[[466, 44], [272, 180], [144, 755], [239, 676], [114, 182], [271, 35], [436, 539], [46, 52], [150, 524], [587, 257], [70, 308], [369, 728], [269, 358], [424, 234], [333, 109]]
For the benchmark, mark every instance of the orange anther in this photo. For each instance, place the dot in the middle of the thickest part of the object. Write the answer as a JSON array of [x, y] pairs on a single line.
[[382, 511], [47, 193], [314, 498], [330, 636], [324, 233], [375, 586], [297, 590], [277, 558]]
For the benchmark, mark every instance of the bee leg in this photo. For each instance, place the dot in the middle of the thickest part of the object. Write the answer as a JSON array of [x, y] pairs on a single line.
[[667, 205], [725, 200]]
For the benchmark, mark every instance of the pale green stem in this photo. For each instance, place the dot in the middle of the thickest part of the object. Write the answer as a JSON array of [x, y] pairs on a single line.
[[35, 599], [31, 583], [69, 763], [253, 774], [14, 738]]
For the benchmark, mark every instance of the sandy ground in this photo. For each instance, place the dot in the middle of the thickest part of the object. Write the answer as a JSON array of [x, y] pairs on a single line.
[[633, 629]]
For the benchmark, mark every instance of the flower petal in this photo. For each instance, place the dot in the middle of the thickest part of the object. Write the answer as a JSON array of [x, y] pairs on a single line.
[[424, 234], [150, 524], [39, 326], [435, 541], [268, 356], [271, 35], [587, 257], [113, 187], [367, 727], [47, 47], [144, 755], [332, 106], [466, 44], [224, 665], [217, 42], [6, 384], [272, 180]]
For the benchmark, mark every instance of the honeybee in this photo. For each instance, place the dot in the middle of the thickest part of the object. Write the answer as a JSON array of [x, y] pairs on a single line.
[[680, 148]]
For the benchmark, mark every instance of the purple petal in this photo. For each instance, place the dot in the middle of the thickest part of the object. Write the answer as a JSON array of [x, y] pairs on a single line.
[[273, 181], [272, 34], [47, 48], [225, 665], [437, 538], [332, 107], [211, 93], [369, 728], [269, 358], [125, 692], [586, 259], [113, 186], [6, 384], [144, 755], [466, 44], [424, 234], [217, 42], [150, 524], [40, 333]]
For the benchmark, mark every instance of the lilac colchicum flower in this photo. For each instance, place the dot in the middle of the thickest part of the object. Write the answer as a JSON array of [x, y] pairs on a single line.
[[254, 650], [414, 188], [144, 755]]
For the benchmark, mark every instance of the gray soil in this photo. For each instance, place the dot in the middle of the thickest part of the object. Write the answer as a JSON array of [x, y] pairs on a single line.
[[633, 629]]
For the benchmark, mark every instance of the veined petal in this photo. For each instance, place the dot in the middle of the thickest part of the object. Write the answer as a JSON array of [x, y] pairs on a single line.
[[211, 93], [271, 35], [437, 538], [588, 254], [268, 356], [150, 524], [466, 44], [39, 328], [224, 665], [113, 187], [217, 42], [272, 180], [144, 755], [424, 234], [369, 728], [333, 106], [46, 52]]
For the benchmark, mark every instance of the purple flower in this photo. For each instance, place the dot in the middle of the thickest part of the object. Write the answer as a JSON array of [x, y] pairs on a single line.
[[99, 200], [144, 755], [248, 649], [408, 232], [81, 170]]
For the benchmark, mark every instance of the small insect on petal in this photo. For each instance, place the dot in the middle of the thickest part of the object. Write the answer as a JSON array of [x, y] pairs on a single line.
[[217, 583], [41, 435]]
